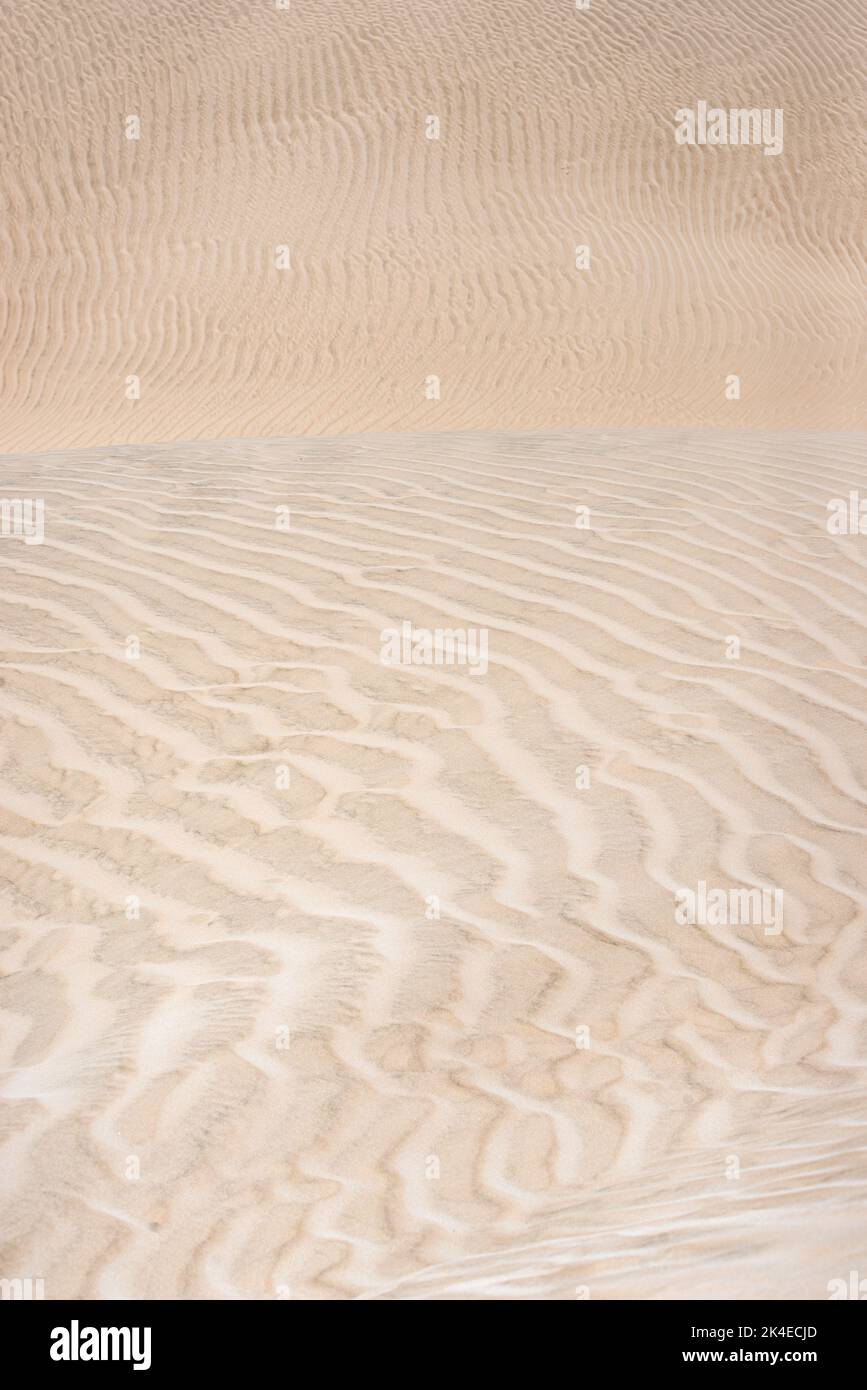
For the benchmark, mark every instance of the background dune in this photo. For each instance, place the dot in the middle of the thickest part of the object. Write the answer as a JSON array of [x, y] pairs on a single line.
[[243, 1055], [412, 257]]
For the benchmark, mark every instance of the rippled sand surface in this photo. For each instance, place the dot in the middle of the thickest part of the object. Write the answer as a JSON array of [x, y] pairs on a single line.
[[326, 978], [409, 258]]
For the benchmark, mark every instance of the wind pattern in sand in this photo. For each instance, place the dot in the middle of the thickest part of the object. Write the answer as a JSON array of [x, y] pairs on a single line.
[[326, 979], [412, 257]]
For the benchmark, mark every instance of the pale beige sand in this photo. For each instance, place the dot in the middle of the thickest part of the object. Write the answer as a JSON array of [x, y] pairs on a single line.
[[412, 257], [417, 1045]]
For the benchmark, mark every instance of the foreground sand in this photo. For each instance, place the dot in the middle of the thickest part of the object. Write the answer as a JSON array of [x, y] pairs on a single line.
[[279, 1074], [412, 258]]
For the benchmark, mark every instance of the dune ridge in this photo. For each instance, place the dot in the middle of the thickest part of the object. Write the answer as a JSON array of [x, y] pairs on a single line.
[[329, 979]]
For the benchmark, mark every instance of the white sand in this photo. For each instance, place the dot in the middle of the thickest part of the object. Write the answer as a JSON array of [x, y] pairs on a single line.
[[328, 979], [432, 1129]]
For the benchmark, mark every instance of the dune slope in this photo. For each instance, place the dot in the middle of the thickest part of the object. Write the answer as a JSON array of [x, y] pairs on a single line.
[[330, 978], [290, 245]]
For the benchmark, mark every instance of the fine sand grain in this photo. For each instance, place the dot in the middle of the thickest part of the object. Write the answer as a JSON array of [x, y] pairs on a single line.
[[330, 979], [412, 258]]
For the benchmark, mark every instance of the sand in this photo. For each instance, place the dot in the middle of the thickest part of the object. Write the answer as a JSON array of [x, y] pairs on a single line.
[[329, 979], [412, 258], [350, 333]]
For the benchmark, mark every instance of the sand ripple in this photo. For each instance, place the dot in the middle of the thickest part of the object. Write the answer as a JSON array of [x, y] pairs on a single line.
[[412, 258], [244, 1057]]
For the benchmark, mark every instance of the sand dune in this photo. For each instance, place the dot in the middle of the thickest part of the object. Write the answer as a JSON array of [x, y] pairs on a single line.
[[356, 784], [326, 978], [411, 258]]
